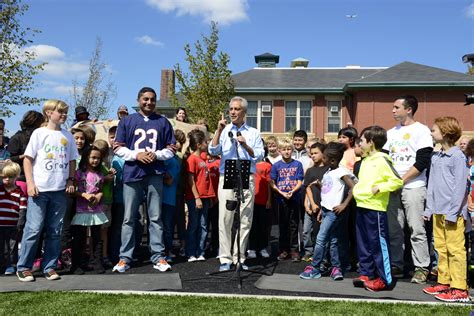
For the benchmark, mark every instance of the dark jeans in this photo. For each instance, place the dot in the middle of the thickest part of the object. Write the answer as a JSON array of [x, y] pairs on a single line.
[[260, 227], [289, 218], [8, 246], [115, 231], [66, 237], [213, 222]]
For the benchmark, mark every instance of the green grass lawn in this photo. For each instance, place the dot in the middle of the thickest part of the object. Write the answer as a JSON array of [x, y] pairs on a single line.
[[21, 303]]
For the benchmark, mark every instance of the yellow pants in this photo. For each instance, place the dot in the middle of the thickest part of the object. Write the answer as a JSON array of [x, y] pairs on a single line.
[[449, 243]]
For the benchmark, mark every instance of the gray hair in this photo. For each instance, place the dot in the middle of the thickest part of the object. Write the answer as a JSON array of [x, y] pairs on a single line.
[[243, 102]]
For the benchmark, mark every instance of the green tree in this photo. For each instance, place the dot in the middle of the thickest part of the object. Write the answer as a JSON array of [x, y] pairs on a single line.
[[97, 93], [208, 86], [17, 63]]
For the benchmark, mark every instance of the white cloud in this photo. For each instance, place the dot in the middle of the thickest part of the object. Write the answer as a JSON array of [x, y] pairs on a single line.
[[222, 11], [62, 68], [46, 52], [58, 64], [469, 11], [148, 40], [56, 88]]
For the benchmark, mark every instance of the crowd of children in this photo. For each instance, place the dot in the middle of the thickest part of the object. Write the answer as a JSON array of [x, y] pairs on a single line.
[[335, 194]]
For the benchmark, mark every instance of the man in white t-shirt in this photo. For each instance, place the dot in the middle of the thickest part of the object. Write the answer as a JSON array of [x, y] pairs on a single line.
[[410, 145]]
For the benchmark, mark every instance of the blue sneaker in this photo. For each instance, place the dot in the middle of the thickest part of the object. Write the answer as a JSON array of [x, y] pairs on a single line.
[[224, 267], [310, 272], [10, 270], [336, 274]]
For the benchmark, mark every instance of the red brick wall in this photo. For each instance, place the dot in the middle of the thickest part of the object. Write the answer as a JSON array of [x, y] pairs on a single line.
[[278, 116], [375, 107], [319, 116]]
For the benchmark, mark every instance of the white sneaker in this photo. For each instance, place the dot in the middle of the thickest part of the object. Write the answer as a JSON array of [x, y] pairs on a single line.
[[264, 253], [251, 254], [201, 258], [121, 267], [162, 265], [192, 259]]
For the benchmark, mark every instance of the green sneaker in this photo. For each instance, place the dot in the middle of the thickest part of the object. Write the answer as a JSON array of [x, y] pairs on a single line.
[[420, 276]]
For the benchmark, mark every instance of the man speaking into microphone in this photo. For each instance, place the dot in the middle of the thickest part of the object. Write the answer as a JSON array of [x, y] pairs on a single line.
[[247, 140]]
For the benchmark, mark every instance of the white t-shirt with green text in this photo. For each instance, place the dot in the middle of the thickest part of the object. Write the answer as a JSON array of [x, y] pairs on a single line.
[[52, 151]]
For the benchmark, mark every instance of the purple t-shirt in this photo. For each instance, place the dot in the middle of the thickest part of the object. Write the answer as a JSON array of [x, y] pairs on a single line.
[[151, 133], [92, 183], [286, 176]]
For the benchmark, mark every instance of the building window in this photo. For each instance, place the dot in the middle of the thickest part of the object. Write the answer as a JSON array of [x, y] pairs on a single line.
[[334, 116], [259, 115], [266, 117], [252, 111], [305, 116], [298, 116], [290, 116]]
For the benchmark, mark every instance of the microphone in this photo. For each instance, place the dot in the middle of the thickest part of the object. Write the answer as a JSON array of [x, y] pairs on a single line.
[[239, 134], [231, 136]]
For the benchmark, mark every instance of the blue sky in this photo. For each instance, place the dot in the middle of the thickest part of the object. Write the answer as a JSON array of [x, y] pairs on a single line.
[[141, 37]]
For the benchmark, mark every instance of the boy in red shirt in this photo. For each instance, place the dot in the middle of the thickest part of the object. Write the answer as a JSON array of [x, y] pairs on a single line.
[[213, 163], [12, 216], [263, 202], [198, 196]]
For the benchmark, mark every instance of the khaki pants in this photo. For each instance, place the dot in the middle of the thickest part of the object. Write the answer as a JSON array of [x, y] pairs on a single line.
[[407, 206], [226, 220], [449, 243]]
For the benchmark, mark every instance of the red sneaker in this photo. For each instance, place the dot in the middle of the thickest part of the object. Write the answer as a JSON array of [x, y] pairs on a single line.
[[375, 285], [436, 289], [453, 295], [360, 280]]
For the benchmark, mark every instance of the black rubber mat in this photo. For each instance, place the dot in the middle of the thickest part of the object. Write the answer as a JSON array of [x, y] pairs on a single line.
[[125, 282]]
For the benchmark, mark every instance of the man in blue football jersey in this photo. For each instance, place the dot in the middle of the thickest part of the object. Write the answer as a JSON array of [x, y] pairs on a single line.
[[144, 140]]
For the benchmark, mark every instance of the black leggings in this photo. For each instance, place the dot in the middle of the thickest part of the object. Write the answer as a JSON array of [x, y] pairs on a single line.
[[79, 235]]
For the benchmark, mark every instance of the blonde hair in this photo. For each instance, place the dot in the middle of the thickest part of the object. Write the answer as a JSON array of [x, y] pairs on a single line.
[[11, 170], [285, 143], [54, 105], [271, 139]]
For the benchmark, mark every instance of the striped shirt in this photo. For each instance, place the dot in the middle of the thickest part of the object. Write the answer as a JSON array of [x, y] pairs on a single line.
[[11, 204]]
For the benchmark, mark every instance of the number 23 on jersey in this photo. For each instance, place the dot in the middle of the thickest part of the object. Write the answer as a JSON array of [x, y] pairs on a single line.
[[149, 136]]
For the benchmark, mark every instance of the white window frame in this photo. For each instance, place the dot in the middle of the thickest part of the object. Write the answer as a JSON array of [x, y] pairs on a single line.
[[329, 111], [298, 114], [260, 114]]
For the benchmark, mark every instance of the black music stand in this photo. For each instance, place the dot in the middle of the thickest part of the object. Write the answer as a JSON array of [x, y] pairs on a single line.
[[236, 177]]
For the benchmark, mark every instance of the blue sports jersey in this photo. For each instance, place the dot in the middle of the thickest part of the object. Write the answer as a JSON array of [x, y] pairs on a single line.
[[150, 133]]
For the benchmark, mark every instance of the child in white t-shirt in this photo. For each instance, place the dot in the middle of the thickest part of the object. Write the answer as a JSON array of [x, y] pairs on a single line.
[[333, 206], [50, 163]]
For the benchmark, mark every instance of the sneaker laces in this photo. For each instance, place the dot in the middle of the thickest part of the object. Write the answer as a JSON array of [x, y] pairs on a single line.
[[308, 269]]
